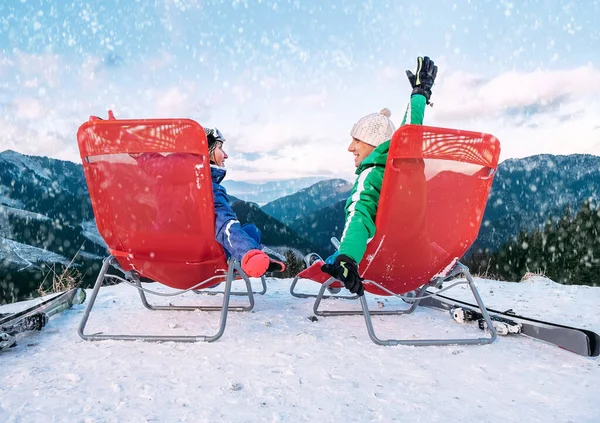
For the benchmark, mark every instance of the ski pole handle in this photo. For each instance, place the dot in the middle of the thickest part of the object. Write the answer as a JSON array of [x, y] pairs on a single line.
[[335, 242]]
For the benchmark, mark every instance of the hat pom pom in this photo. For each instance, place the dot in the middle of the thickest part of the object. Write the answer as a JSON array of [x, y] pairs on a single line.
[[386, 112]]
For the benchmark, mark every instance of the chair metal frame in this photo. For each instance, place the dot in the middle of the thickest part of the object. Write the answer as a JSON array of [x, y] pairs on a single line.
[[263, 291], [158, 136], [307, 261], [329, 281], [110, 261], [470, 152], [456, 270]]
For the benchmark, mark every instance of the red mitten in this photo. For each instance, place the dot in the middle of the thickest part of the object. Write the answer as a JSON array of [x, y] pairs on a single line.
[[255, 263]]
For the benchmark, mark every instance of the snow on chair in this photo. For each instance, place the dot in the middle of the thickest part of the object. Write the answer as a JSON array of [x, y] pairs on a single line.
[[151, 191], [433, 196]]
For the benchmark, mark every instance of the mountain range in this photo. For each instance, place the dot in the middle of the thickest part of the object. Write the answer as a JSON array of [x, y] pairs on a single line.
[[274, 232], [46, 215], [318, 196], [319, 226], [263, 193], [525, 194], [46, 218]]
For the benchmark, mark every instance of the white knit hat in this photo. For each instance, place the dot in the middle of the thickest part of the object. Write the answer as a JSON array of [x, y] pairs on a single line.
[[374, 129]]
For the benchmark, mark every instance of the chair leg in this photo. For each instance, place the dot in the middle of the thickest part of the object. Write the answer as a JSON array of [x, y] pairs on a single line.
[[249, 293], [248, 283], [326, 313], [208, 338], [326, 284], [99, 280], [460, 268], [263, 291]]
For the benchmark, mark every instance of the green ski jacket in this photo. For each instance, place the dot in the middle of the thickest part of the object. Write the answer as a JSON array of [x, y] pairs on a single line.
[[361, 207]]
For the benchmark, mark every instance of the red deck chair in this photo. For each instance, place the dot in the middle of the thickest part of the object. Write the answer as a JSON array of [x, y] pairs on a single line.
[[433, 196], [151, 191]]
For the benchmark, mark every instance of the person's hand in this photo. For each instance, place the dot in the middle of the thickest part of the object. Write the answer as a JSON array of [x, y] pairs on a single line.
[[424, 78], [275, 266], [345, 270]]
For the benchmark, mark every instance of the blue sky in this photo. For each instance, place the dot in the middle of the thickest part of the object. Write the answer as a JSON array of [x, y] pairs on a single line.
[[285, 80]]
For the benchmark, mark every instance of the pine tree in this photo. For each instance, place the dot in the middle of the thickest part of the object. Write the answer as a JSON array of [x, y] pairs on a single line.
[[293, 265], [567, 250]]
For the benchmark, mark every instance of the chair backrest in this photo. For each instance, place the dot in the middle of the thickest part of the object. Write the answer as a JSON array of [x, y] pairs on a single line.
[[151, 191], [434, 192]]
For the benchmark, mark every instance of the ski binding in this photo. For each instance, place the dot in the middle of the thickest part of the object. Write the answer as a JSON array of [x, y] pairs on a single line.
[[503, 326]]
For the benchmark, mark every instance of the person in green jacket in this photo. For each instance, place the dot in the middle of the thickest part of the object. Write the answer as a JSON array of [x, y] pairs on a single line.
[[370, 144]]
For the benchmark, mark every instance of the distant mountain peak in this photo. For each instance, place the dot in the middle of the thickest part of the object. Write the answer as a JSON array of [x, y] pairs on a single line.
[[9, 151], [337, 184], [578, 164], [321, 194], [24, 162], [264, 192]]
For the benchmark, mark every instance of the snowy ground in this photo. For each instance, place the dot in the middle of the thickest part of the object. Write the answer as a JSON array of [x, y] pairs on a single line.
[[274, 364]]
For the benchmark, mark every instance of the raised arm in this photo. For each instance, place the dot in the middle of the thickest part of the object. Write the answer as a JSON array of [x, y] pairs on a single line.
[[421, 83]]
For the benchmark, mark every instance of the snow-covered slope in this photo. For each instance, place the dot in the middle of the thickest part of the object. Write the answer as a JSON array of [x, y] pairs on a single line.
[[22, 255], [90, 231], [6, 212], [276, 365], [5, 198], [23, 162]]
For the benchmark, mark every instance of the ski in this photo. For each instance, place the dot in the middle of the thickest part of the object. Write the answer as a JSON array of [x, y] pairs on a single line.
[[580, 341], [31, 322], [36, 316], [7, 341], [503, 326], [7, 317]]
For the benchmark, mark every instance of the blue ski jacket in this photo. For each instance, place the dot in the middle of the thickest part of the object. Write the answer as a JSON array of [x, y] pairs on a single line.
[[228, 231]]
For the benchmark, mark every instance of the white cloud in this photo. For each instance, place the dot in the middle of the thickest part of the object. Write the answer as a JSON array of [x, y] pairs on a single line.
[[241, 93], [269, 83], [537, 112], [46, 67], [171, 102], [163, 60], [314, 100], [279, 131], [42, 138], [6, 62], [260, 138], [28, 108], [89, 68], [182, 5], [294, 159], [462, 95]]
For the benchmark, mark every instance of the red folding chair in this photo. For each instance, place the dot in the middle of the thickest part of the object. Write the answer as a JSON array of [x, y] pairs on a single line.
[[151, 191], [434, 192]]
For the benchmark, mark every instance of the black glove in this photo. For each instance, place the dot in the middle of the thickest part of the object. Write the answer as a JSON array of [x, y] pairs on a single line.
[[345, 269], [276, 266], [424, 78]]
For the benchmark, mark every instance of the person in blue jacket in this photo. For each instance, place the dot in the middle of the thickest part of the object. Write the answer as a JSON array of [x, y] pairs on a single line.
[[243, 242]]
